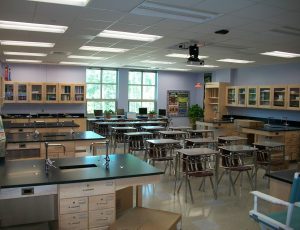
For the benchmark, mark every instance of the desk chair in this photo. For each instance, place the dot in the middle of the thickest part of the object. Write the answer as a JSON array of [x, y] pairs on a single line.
[[236, 162], [196, 166], [285, 220]]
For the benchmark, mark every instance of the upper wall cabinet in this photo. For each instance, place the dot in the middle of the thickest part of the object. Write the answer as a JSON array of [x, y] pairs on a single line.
[[264, 93], [241, 96], [293, 97], [279, 97], [252, 96], [231, 96], [33, 92]]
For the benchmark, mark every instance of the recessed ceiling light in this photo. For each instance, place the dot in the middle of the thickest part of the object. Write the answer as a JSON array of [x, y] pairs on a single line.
[[177, 55], [11, 25], [281, 54], [86, 57], [235, 61], [204, 66], [103, 49], [73, 63], [158, 62], [128, 36], [65, 2], [23, 61], [24, 43], [24, 54], [177, 69]]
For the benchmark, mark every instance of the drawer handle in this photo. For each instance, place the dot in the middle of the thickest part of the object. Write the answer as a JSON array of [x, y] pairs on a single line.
[[87, 189], [22, 145], [27, 191]]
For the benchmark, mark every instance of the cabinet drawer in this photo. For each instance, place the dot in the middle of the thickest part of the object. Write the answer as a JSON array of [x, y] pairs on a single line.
[[289, 135], [17, 146], [76, 221], [92, 188], [100, 228], [73, 205], [100, 218], [102, 202], [21, 130], [84, 143]]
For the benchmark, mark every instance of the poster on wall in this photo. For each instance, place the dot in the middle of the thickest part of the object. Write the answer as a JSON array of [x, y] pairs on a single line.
[[178, 103]]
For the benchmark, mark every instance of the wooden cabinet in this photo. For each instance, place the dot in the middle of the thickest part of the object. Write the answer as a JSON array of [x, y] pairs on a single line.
[[86, 205], [264, 93], [51, 93], [9, 92], [231, 96], [21, 92], [252, 96], [279, 97], [214, 101], [78, 93], [36, 91], [241, 96], [65, 94], [293, 97]]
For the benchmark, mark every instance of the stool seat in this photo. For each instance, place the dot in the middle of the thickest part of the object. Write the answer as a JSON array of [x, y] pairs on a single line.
[[147, 219]]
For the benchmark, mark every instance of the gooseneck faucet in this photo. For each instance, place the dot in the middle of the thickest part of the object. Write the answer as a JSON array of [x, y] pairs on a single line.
[[48, 161]]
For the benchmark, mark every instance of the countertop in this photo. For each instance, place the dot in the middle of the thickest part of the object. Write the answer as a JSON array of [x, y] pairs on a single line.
[[276, 128], [43, 115], [9, 125], [286, 176], [22, 173], [49, 137]]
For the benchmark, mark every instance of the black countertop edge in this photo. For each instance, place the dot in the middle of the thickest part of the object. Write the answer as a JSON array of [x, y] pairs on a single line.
[[286, 176], [43, 115], [67, 124]]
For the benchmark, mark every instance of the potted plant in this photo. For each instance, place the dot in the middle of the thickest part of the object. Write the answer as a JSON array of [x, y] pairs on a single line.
[[195, 113], [108, 113], [151, 113]]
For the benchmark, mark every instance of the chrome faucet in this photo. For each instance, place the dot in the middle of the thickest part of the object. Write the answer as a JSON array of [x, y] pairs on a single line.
[[285, 119], [269, 121], [48, 161]]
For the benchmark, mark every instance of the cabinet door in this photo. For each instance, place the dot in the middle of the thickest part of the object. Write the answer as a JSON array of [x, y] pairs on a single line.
[[65, 93], [78, 93], [231, 98], [252, 96], [264, 97], [9, 92], [22, 92], [51, 90], [241, 96], [293, 101], [36, 93], [279, 97]]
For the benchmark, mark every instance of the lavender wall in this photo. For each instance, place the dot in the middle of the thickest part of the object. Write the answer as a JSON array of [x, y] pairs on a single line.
[[179, 81], [263, 75]]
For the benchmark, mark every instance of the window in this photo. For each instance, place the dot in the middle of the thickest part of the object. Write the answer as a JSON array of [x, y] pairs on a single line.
[[101, 89], [141, 90]]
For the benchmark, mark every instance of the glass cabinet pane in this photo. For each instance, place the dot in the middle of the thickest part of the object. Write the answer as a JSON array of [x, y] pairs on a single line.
[[264, 99], [294, 96], [51, 93], [65, 93], [9, 92], [252, 96], [241, 96], [279, 97], [79, 93], [36, 93], [22, 92], [231, 96]]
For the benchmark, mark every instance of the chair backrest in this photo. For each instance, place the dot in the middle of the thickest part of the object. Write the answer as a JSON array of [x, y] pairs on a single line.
[[295, 191]]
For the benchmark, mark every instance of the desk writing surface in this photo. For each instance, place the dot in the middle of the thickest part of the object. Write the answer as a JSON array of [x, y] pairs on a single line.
[[152, 127], [238, 148], [172, 132], [197, 151], [22, 173], [201, 140], [269, 144], [138, 133], [232, 138], [163, 141]]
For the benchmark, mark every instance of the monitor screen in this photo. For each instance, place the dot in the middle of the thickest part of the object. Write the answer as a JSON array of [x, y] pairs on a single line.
[[120, 112], [143, 111], [98, 112], [162, 112]]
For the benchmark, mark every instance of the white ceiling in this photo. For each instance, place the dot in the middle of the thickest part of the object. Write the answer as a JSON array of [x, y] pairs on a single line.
[[255, 26]]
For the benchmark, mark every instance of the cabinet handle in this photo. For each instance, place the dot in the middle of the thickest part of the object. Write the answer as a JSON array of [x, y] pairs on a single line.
[[22, 145], [27, 191]]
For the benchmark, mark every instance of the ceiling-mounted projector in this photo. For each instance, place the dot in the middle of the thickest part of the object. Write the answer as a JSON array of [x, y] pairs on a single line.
[[194, 53]]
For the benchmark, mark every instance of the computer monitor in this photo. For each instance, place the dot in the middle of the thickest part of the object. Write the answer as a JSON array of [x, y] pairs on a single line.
[[162, 112], [98, 112], [143, 111], [120, 112]]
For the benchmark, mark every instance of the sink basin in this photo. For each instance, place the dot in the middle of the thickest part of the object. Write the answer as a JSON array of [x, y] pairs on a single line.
[[55, 135], [77, 166]]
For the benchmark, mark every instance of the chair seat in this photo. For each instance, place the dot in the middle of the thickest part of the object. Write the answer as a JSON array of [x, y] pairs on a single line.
[[241, 168], [200, 173], [162, 159], [281, 217]]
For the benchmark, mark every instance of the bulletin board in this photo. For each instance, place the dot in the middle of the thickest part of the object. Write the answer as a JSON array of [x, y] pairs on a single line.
[[178, 103]]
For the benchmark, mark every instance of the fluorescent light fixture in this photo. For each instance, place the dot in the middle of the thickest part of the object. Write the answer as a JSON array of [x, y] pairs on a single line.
[[128, 36], [177, 69], [23, 61], [25, 54], [24, 43], [86, 57], [204, 66], [11, 25], [235, 61], [281, 54], [177, 55], [158, 62], [73, 63], [103, 49], [65, 2], [148, 8]]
